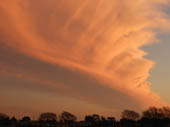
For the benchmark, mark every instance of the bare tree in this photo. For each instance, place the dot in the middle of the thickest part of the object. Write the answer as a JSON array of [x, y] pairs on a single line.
[[48, 116], [165, 111], [158, 113], [152, 112], [67, 117], [130, 115]]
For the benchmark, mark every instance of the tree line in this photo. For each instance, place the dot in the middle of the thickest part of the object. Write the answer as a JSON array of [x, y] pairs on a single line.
[[152, 117]]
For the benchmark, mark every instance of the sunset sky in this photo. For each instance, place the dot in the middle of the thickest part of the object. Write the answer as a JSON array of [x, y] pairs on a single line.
[[83, 56]]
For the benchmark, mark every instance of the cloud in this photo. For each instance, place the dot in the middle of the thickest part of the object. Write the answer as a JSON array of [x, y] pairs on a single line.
[[99, 39], [60, 80]]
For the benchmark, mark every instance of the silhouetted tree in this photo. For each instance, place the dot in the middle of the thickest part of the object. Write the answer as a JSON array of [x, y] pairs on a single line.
[[152, 112], [13, 119], [92, 118], [111, 119], [67, 117], [103, 118], [157, 117], [165, 111], [130, 115], [26, 119], [157, 113], [4, 117], [152, 117], [48, 116], [89, 118], [96, 117]]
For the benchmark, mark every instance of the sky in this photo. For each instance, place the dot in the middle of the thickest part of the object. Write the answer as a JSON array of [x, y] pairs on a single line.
[[90, 56], [160, 74]]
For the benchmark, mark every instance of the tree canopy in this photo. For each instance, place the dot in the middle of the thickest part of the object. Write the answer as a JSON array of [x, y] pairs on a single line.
[[130, 115], [3, 117], [158, 113], [48, 116], [67, 117]]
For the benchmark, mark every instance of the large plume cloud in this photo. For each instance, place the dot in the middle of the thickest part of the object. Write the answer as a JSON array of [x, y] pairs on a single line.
[[98, 38]]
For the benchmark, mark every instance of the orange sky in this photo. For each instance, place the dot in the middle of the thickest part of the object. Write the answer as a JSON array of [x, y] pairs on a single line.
[[83, 50]]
